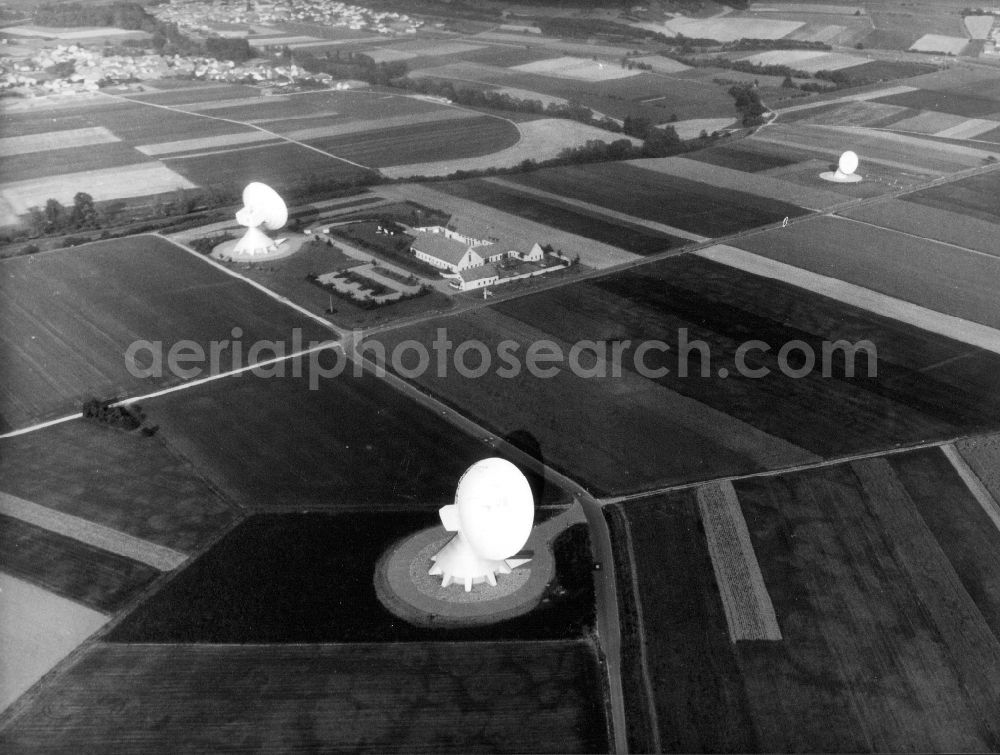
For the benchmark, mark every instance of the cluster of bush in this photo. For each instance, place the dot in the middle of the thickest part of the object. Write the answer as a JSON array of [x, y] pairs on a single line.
[[206, 244], [748, 104], [122, 417], [364, 301]]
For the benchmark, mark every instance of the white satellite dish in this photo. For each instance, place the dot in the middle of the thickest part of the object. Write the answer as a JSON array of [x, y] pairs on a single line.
[[492, 515], [263, 210], [846, 167]]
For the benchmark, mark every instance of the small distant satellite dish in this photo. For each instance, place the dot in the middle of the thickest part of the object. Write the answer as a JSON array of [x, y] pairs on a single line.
[[263, 210], [493, 514], [846, 167]]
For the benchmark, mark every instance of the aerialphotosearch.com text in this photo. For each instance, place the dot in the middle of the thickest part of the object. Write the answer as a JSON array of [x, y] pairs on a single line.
[[683, 357]]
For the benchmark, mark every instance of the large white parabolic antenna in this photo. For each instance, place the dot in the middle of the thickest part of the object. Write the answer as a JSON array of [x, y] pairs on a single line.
[[492, 515], [263, 210], [846, 167]]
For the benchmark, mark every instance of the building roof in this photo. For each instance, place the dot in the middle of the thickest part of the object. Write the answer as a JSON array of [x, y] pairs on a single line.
[[478, 273], [440, 247]]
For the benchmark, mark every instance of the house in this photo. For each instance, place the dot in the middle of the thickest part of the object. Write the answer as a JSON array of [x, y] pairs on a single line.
[[446, 253], [477, 277], [535, 254]]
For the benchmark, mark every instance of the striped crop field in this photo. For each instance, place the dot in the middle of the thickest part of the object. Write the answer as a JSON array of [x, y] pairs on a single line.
[[922, 386], [849, 554], [55, 469]]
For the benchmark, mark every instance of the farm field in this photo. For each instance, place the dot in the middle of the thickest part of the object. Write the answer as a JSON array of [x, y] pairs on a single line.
[[269, 581], [650, 95], [406, 697], [70, 315], [540, 139], [930, 222], [745, 155], [354, 443], [28, 615], [284, 166], [683, 203], [971, 196], [204, 93], [848, 554], [141, 487], [896, 153], [734, 180], [77, 571], [448, 140], [926, 386], [850, 113], [967, 105], [56, 161], [942, 278], [631, 237]]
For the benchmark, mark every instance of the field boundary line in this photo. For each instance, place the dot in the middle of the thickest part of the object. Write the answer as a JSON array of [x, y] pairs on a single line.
[[647, 682], [41, 425], [91, 533], [902, 449], [231, 373], [745, 599], [973, 483], [950, 326], [952, 244]]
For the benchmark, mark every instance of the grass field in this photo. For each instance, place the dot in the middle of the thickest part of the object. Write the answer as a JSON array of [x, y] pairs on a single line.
[[851, 555], [898, 154], [69, 317], [140, 486], [725, 179], [407, 697], [353, 443], [457, 139], [55, 161], [742, 155], [673, 429], [281, 579], [967, 105], [138, 124], [970, 196], [689, 205], [283, 166], [205, 93], [649, 95], [931, 222], [908, 267], [631, 237]]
